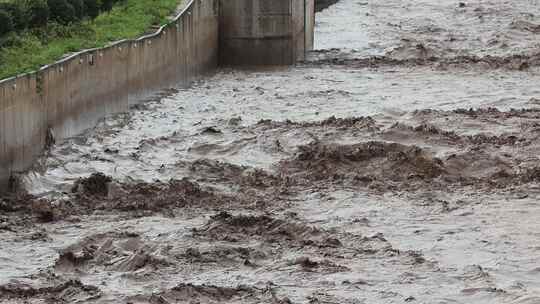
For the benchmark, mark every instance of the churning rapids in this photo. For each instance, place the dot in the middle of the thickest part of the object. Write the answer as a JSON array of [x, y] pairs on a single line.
[[399, 164]]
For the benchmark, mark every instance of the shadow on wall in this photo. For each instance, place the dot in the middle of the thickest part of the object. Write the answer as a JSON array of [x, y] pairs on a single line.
[[322, 4]]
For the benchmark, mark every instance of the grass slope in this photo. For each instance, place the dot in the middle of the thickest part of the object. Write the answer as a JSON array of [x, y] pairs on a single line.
[[128, 20]]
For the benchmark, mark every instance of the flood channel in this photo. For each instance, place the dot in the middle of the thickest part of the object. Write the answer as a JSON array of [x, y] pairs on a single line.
[[398, 164]]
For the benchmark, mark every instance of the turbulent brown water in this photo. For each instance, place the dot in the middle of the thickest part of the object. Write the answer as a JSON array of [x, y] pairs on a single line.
[[398, 165]]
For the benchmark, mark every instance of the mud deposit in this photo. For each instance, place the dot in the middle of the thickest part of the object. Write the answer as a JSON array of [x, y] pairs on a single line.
[[398, 165]]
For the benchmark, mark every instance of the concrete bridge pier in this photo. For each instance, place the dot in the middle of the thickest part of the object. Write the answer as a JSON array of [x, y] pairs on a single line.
[[264, 32]]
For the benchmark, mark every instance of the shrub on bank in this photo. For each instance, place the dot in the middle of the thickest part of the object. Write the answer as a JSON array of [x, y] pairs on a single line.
[[91, 7], [107, 5], [6, 22], [16, 12], [62, 11], [78, 5], [38, 13], [20, 15]]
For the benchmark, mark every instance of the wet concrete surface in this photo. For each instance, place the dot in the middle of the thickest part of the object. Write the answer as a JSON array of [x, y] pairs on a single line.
[[396, 165]]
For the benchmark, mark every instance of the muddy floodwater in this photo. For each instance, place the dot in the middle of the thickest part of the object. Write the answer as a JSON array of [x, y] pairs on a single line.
[[399, 164]]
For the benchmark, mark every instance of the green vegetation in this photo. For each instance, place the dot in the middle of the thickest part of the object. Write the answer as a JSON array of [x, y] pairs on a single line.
[[34, 33], [6, 23]]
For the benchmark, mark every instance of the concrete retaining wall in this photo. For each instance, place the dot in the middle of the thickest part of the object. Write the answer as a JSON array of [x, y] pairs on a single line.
[[71, 95], [264, 32]]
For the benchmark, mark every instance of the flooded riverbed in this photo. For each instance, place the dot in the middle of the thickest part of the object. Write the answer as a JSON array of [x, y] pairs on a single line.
[[399, 164]]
